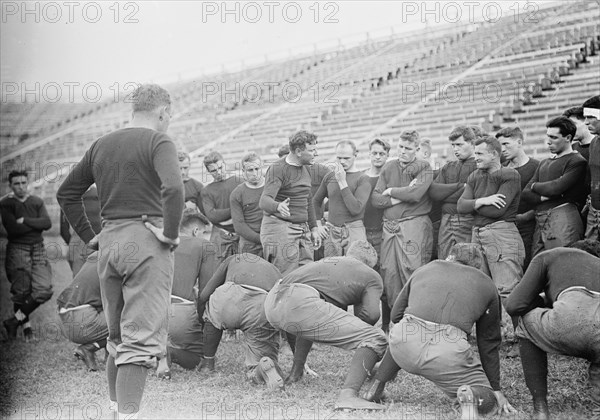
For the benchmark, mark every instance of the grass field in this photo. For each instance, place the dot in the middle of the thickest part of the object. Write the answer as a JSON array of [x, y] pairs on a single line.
[[42, 380]]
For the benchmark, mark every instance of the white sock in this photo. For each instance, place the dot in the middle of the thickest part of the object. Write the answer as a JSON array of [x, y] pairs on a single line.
[[20, 315], [27, 325]]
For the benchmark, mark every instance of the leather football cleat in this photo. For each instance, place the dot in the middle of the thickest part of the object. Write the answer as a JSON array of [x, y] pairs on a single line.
[[268, 371], [540, 410], [349, 400], [295, 374], [207, 365], [163, 371], [85, 353], [11, 325], [28, 334], [374, 391], [469, 403]]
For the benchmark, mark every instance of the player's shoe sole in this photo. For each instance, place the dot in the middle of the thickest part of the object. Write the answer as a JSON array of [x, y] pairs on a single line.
[[468, 403], [86, 356], [269, 373]]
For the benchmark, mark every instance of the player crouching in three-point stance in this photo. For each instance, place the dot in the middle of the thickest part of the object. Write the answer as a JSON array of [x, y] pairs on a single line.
[[566, 322], [81, 314], [234, 299], [432, 317], [310, 303]]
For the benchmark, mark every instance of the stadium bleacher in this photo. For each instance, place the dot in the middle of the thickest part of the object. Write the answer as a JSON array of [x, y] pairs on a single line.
[[455, 74]]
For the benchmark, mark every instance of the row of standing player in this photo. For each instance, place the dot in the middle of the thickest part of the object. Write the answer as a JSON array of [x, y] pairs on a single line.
[[122, 215]]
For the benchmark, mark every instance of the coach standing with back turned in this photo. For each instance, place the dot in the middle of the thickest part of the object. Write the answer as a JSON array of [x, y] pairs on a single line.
[[141, 198]]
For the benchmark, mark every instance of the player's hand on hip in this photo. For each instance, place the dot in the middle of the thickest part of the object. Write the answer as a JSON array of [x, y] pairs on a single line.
[[323, 232], [158, 232], [316, 237]]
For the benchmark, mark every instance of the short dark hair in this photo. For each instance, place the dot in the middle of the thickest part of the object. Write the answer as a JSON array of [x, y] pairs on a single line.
[[510, 132], [411, 136], [212, 157], [382, 142], [16, 173], [470, 254], [363, 251], [464, 131], [565, 126], [300, 139], [181, 155], [478, 131], [250, 157], [149, 97], [192, 217], [574, 112], [283, 150], [593, 102], [426, 144], [492, 144], [588, 245], [347, 143]]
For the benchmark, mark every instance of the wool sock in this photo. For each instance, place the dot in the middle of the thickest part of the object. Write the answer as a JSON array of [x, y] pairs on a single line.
[[360, 367], [535, 369], [131, 380]]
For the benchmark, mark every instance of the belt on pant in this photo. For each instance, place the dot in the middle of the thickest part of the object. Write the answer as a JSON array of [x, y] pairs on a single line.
[[401, 219], [300, 284], [288, 221], [178, 299], [437, 326], [374, 230], [492, 225], [579, 289], [74, 308], [255, 288], [546, 212], [342, 230]]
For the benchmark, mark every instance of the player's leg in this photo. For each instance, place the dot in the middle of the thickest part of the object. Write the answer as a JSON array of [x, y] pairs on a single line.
[[90, 331], [18, 273], [333, 243], [41, 285], [391, 246], [416, 237], [261, 340], [387, 371], [146, 282]]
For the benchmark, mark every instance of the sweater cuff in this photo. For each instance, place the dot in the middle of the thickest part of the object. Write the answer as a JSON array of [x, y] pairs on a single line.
[[87, 235], [172, 234]]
